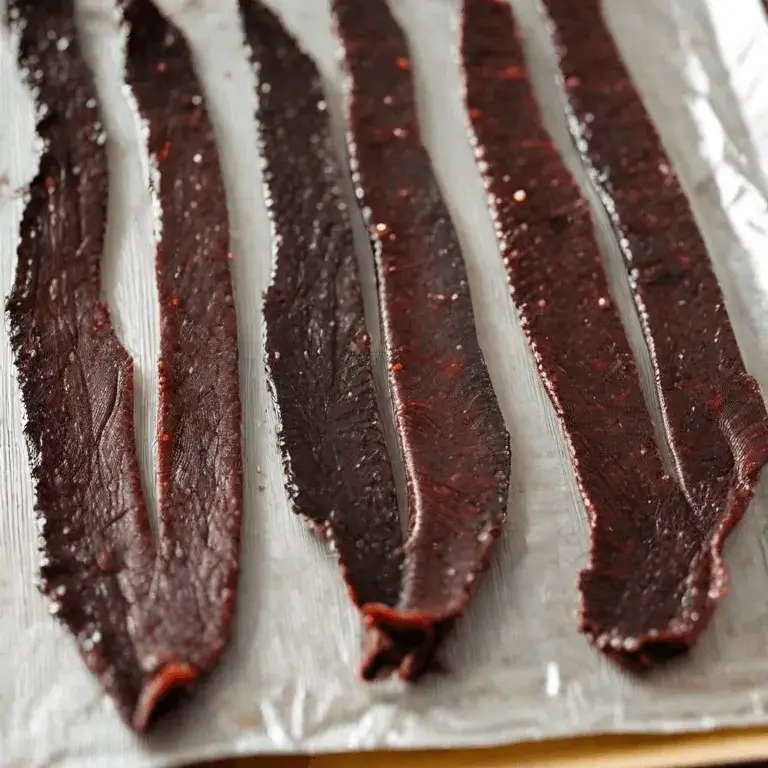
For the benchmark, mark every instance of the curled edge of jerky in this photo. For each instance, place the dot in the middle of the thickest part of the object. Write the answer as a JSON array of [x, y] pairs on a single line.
[[160, 690], [401, 642]]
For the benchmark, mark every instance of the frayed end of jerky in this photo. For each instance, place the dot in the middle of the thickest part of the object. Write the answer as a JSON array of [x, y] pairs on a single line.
[[640, 648], [677, 609], [161, 690], [643, 653], [399, 642]]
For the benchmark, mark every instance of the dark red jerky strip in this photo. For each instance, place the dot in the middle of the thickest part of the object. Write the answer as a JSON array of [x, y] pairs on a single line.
[[715, 420], [76, 378], [451, 431], [317, 347], [191, 607], [638, 603]]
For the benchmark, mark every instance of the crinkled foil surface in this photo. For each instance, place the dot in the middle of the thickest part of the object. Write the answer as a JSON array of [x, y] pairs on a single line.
[[517, 668]]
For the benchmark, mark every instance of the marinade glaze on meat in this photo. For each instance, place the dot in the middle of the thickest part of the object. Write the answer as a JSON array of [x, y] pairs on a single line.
[[199, 451], [450, 428], [317, 347], [76, 379], [655, 572], [148, 619], [559, 287], [714, 416]]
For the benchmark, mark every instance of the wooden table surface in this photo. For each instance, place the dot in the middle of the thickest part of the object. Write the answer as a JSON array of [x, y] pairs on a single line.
[[716, 748]]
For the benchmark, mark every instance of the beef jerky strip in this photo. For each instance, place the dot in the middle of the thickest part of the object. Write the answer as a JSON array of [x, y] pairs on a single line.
[[200, 469], [451, 431], [317, 347], [644, 535], [714, 417], [76, 378]]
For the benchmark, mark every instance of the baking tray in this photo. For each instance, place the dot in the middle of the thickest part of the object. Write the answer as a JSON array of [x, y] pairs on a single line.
[[517, 668]]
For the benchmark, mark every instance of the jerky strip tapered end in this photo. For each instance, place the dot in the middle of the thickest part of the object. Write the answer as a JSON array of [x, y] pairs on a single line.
[[450, 428]]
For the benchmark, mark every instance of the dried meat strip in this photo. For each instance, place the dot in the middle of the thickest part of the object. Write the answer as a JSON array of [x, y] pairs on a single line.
[[199, 453], [655, 571], [317, 347], [645, 537], [147, 619], [76, 378], [450, 428], [714, 416]]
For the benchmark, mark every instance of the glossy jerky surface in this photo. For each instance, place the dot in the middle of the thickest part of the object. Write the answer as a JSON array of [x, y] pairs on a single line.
[[450, 428], [76, 378], [191, 607], [643, 532], [147, 619], [714, 416], [317, 347]]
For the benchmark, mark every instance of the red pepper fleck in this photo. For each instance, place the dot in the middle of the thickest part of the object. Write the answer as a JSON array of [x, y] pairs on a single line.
[[513, 72], [397, 367], [716, 402], [403, 63], [106, 561]]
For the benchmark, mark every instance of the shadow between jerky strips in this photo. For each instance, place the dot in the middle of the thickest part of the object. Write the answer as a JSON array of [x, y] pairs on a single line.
[[714, 416], [100, 567], [655, 571], [317, 348], [448, 421]]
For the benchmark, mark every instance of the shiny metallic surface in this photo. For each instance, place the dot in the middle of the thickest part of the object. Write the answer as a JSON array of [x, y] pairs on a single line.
[[516, 668]]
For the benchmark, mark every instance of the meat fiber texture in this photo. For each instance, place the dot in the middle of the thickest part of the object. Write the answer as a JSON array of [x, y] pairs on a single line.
[[516, 667]]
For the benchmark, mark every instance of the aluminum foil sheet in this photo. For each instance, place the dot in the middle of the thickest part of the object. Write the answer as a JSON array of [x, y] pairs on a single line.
[[517, 668]]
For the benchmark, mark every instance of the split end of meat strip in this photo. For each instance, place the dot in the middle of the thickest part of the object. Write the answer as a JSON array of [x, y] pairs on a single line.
[[449, 426], [317, 347], [401, 642], [655, 570]]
